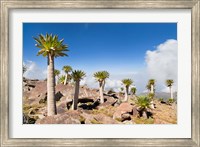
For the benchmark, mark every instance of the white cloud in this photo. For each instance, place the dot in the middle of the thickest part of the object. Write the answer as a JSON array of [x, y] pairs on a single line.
[[34, 71], [162, 63], [113, 84]]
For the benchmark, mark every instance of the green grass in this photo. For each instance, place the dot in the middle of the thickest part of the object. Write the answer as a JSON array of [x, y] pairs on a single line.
[[107, 111], [143, 120]]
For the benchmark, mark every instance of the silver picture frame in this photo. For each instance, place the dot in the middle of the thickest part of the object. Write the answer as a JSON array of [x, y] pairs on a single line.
[[7, 5]]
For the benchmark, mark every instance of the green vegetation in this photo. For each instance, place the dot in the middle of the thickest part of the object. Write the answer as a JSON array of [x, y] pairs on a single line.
[[151, 95], [133, 90], [170, 100], [143, 103], [62, 79], [143, 120], [160, 99], [109, 111]]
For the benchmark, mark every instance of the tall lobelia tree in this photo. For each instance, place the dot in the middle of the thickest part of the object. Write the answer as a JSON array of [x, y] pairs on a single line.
[[151, 85], [169, 84], [133, 90], [101, 76], [67, 69], [127, 83], [77, 76], [50, 46], [57, 75]]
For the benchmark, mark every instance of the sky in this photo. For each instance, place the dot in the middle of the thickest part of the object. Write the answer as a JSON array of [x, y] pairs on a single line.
[[138, 51]]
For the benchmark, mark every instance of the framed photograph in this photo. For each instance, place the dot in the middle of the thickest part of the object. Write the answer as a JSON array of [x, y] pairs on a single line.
[[100, 73]]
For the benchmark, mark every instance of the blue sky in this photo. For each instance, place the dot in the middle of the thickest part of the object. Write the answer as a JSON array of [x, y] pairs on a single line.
[[119, 48]]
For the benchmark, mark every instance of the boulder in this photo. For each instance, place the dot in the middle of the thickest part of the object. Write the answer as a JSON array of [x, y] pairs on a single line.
[[123, 112], [38, 93], [104, 119], [98, 119], [135, 111], [69, 117]]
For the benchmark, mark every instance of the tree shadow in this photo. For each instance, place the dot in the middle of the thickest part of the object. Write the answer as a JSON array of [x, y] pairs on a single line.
[[89, 105]]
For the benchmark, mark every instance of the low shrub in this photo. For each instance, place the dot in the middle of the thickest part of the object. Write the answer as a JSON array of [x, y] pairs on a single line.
[[170, 100]]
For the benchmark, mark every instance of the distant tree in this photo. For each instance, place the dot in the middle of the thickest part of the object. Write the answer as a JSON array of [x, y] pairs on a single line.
[[151, 85], [50, 47], [127, 83], [77, 76], [133, 90], [62, 79], [67, 69], [57, 75], [169, 84], [101, 76]]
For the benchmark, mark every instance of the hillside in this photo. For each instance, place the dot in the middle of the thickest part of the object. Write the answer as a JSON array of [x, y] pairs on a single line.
[[90, 111]]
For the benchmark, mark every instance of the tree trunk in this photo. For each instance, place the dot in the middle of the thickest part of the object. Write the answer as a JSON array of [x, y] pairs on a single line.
[[76, 94], [51, 103], [103, 85], [65, 79], [171, 92], [101, 93], [57, 80], [126, 94], [152, 105], [152, 89]]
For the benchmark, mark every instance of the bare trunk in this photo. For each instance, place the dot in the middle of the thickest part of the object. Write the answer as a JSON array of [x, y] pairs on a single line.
[[57, 80], [65, 79], [152, 89], [76, 94], [101, 92], [126, 94], [103, 85], [152, 105], [171, 92], [51, 103]]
